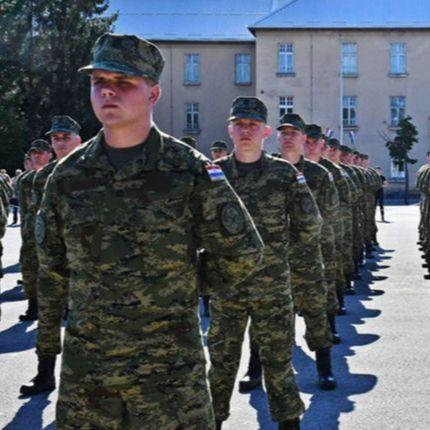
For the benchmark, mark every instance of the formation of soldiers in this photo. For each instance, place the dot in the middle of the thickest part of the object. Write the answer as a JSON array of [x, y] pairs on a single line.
[[422, 184], [119, 231]]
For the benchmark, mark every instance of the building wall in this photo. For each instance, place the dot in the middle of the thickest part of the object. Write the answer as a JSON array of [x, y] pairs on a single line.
[[316, 84], [214, 94]]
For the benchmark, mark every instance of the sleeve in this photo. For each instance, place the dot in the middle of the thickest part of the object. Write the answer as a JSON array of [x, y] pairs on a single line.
[[224, 228], [53, 272], [307, 270]]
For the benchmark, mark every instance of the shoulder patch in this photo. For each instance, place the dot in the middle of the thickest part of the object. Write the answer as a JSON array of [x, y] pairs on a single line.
[[301, 178], [215, 172], [232, 218], [330, 176], [39, 230]]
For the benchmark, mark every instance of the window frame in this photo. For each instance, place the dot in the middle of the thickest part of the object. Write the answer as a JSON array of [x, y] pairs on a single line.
[[192, 68], [287, 54], [349, 120], [288, 107], [236, 68], [194, 124], [398, 108], [397, 70], [350, 69]]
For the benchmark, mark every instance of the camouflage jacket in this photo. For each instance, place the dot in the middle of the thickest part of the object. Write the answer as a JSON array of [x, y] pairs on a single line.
[[121, 245], [25, 188], [285, 214]]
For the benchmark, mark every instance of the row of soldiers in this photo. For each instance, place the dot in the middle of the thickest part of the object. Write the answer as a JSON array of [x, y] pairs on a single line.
[[422, 184], [116, 226]]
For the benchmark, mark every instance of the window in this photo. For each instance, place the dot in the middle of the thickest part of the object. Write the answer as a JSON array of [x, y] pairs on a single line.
[[192, 116], [243, 68], [398, 59], [349, 59], [192, 69], [397, 171], [286, 105], [398, 108], [349, 112], [285, 58]]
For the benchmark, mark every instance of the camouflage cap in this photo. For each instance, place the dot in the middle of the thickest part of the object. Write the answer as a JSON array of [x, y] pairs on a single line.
[[219, 144], [345, 149], [39, 145], [333, 143], [356, 153], [248, 108], [292, 120], [364, 156], [126, 54], [314, 131], [63, 123]]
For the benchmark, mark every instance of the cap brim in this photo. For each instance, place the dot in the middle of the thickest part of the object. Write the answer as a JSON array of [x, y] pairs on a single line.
[[214, 148], [247, 116], [110, 66], [60, 130], [287, 124], [315, 135]]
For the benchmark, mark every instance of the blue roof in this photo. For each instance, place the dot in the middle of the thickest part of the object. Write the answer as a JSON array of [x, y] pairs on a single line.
[[191, 20], [360, 14]]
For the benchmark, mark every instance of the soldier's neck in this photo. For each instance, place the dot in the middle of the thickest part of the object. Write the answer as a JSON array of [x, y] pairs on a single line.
[[292, 156], [247, 156], [127, 136], [314, 158]]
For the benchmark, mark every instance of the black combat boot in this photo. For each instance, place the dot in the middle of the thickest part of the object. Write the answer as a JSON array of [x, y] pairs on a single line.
[[335, 334], [45, 378], [206, 307], [218, 425], [252, 379], [293, 424], [349, 289], [31, 312], [323, 361], [341, 300]]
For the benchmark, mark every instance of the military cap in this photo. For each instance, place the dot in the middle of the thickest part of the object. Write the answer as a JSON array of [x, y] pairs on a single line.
[[126, 54], [39, 145], [356, 153], [189, 141], [364, 156], [219, 144], [314, 131], [292, 120], [346, 149], [63, 123], [333, 143], [248, 108]]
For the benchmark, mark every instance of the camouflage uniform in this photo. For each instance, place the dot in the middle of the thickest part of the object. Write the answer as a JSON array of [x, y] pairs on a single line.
[[284, 212], [120, 243], [5, 193], [28, 255], [320, 182]]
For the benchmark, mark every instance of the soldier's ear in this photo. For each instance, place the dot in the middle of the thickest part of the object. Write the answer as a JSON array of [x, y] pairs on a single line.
[[155, 94]]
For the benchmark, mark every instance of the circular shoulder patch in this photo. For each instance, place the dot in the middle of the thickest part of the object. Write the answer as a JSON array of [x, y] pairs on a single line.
[[308, 204], [39, 230], [232, 218]]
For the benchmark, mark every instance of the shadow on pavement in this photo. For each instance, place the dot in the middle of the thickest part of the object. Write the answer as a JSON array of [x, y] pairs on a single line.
[[30, 415], [16, 294], [15, 268], [17, 338]]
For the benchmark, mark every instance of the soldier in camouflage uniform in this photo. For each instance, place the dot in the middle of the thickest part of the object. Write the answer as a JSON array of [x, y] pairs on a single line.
[[345, 188], [5, 195], [40, 154], [64, 136], [285, 213], [332, 250], [316, 297], [120, 222]]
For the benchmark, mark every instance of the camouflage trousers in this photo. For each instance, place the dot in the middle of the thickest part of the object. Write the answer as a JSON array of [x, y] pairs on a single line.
[[29, 268], [313, 306], [131, 396], [347, 243], [272, 328], [331, 272]]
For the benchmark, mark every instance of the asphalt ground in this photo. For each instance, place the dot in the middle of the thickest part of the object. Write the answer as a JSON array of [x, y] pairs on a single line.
[[382, 365]]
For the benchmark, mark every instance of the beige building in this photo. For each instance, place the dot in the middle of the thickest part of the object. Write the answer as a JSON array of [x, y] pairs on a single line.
[[354, 67]]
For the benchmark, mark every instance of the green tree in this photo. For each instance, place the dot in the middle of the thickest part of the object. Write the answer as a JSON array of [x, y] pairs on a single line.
[[399, 148], [42, 45]]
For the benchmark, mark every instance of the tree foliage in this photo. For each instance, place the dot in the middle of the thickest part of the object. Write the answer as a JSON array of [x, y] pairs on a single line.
[[42, 45]]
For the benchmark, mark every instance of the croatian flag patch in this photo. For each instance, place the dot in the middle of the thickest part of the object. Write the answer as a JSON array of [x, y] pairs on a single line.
[[215, 173], [301, 178]]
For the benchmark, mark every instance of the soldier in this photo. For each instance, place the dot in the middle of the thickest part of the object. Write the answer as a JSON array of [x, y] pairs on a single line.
[[282, 208], [5, 195], [40, 154], [344, 185], [120, 221], [379, 194], [332, 241], [314, 297], [64, 135], [219, 149]]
